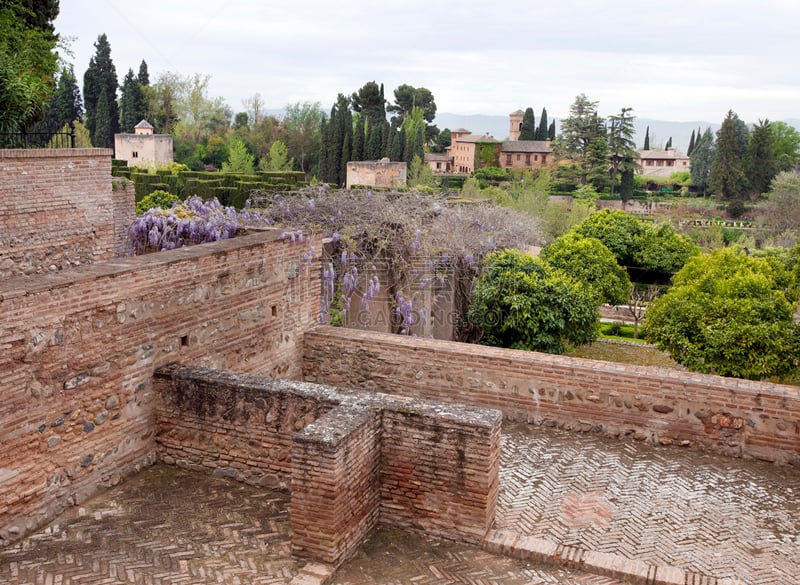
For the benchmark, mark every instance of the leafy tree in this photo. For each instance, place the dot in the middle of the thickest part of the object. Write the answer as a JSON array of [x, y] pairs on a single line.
[[729, 314], [760, 165], [662, 249], [408, 97], [303, 126], [619, 231], [443, 141], [528, 129], [691, 145], [589, 261], [254, 106], [522, 302], [279, 157], [239, 159], [702, 159], [727, 179], [419, 173], [28, 63], [100, 95], [541, 130], [414, 129], [621, 146], [783, 201], [200, 114], [164, 101], [646, 139], [581, 140], [785, 145], [370, 101], [158, 198], [637, 304]]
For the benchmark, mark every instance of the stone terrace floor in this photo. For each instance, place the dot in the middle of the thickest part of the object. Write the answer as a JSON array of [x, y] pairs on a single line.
[[707, 515]]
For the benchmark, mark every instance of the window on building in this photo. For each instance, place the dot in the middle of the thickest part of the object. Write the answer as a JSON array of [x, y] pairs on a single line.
[[508, 160], [536, 157], [670, 163], [528, 159], [519, 157], [659, 163], [134, 154], [649, 163]]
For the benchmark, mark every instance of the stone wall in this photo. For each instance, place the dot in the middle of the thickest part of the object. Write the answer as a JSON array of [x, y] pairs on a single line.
[[376, 173], [57, 209], [352, 459], [78, 349], [661, 406]]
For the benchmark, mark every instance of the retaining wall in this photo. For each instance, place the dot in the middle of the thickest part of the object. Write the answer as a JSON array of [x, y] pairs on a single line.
[[662, 406], [78, 349], [58, 210]]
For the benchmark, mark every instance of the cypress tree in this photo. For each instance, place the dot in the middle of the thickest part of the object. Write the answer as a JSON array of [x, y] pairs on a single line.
[[669, 143], [130, 103], [102, 136], [541, 130], [144, 77], [727, 178], [691, 145], [646, 145], [358, 140], [528, 129], [346, 147], [760, 164], [551, 131], [101, 76], [394, 148]]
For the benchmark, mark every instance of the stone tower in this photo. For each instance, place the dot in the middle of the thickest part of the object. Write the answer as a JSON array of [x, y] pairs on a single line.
[[515, 124]]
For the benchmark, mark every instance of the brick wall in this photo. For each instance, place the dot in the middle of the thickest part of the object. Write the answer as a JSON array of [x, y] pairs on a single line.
[[57, 209], [352, 459], [78, 348], [726, 415]]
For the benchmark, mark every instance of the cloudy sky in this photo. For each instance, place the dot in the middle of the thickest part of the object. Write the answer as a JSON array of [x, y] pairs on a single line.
[[679, 60]]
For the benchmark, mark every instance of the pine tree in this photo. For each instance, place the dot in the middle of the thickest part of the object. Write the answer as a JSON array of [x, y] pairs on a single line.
[[646, 145], [101, 76], [541, 130], [528, 129], [66, 105], [691, 145], [621, 146]]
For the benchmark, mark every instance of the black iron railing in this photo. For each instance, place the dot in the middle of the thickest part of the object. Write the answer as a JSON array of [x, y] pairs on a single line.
[[39, 138]]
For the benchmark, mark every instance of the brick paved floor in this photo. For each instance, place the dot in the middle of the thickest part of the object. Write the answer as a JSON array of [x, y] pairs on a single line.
[[671, 506], [705, 514]]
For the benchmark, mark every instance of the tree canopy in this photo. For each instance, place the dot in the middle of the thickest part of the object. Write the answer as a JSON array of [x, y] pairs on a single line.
[[100, 95], [729, 314], [521, 302]]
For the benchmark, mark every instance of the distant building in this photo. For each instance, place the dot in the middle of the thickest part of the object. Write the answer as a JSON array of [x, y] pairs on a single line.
[[470, 152], [377, 173], [662, 163], [143, 148], [439, 162]]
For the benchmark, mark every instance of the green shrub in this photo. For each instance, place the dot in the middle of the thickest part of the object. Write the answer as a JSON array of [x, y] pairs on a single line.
[[158, 198]]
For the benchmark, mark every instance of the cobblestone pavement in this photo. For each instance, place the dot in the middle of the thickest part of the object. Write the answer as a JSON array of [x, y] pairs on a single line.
[[706, 514]]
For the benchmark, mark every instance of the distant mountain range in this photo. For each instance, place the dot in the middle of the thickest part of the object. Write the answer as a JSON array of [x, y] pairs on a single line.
[[660, 130]]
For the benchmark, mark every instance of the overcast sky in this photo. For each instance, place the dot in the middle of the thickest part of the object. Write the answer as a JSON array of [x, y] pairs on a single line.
[[678, 60]]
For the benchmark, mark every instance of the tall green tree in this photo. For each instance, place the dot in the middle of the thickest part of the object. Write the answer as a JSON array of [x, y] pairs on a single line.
[[130, 103], [240, 160], [541, 130], [100, 82], [691, 145], [702, 159], [581, 139], [528, 129], [28, 63], [621, 146], [551, 131], [337, 142], [164, 101], [646, 145], [760, 165], [727, 179], [370, 102], [668, 145], [303, 126], [406, 98], [66, 105], [785, 145], [359, 138]]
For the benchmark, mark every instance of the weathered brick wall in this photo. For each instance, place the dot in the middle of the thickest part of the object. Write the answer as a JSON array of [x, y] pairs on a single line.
[[56, 209], [336, 483], [234, 425], [123, 197], [368, 458], [78, 349], [726, 415]]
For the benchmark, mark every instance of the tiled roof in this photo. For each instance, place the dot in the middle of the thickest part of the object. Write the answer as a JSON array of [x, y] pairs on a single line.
[[526, 146], [478, 138], [144, 124], [661, 154]]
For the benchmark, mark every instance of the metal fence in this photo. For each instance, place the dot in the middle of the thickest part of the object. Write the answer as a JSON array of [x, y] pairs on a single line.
[[39, 138]]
